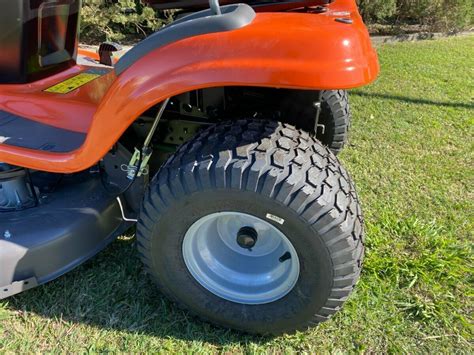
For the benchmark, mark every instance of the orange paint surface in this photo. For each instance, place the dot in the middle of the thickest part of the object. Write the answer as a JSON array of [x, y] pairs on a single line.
[[283, 50]]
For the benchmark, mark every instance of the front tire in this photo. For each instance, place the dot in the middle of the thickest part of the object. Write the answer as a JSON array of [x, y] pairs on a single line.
[[262, 176]]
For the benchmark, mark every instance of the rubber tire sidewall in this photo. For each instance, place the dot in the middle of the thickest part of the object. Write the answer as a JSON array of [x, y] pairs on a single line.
[[293, 311]]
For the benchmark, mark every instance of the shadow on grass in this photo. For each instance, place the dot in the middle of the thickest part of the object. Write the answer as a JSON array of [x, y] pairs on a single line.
[[413, 100], [112, 292]]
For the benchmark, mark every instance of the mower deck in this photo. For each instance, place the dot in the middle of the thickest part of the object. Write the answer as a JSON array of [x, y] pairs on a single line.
[[67, 228]]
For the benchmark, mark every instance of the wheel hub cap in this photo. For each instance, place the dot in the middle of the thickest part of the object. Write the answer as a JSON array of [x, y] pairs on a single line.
[[241, 258]]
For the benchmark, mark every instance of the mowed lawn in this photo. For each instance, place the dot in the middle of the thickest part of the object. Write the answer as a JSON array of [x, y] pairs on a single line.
[[411, 155]]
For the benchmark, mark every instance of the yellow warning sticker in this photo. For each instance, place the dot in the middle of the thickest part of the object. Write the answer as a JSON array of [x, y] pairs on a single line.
[[73, 83]]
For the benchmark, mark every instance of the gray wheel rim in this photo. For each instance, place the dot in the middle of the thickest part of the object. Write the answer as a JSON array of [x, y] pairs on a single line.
[[263, 274]]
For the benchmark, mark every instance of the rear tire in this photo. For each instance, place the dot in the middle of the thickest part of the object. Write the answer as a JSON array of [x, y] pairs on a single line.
[[336, 118], [280, 177]]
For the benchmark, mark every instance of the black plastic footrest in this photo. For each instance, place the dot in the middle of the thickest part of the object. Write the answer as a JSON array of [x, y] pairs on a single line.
[[25, 133]]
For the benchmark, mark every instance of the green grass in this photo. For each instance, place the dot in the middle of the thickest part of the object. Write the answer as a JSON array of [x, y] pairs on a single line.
[[411, 155]]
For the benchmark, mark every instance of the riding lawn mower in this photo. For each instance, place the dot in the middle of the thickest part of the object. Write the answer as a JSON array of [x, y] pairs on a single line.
[[215, 137]]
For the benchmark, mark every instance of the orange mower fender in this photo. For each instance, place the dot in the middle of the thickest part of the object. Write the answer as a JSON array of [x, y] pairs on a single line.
[[279, 50]]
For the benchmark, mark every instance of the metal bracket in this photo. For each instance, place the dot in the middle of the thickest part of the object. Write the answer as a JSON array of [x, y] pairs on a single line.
[[17, 287], [132, 169], [323, 128], [317, 106], [138, 164]]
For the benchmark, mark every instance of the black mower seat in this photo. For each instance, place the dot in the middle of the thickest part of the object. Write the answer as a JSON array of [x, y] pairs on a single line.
[[26, 133], [203, 22]]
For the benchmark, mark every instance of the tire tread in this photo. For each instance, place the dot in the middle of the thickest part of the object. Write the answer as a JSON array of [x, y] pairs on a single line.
[[278, 161]]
